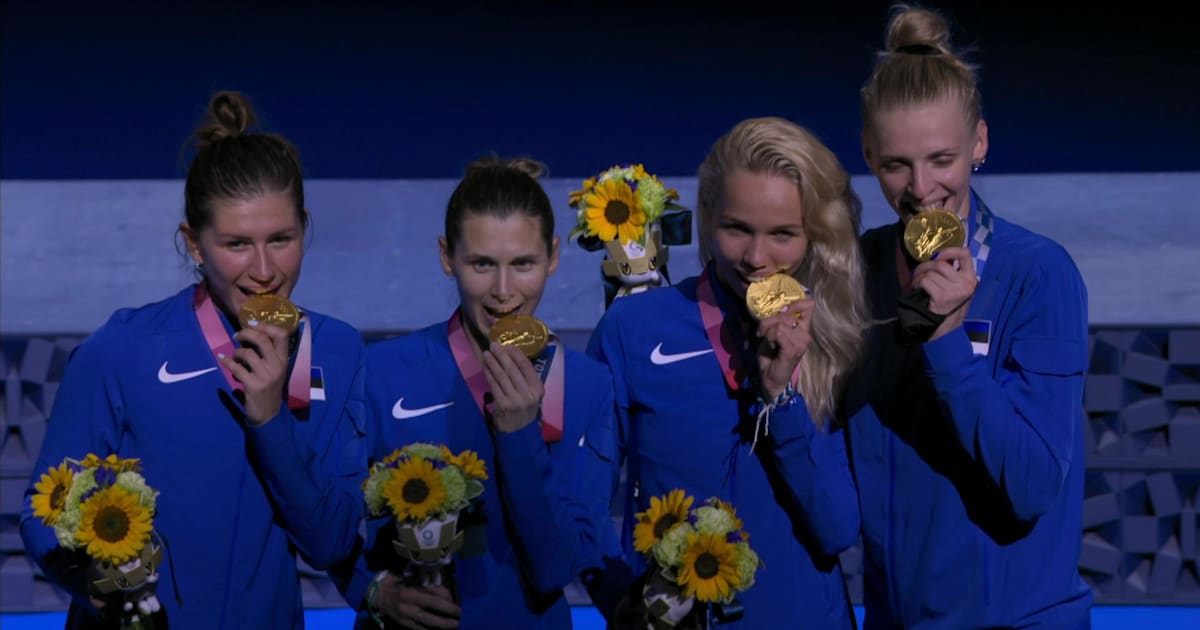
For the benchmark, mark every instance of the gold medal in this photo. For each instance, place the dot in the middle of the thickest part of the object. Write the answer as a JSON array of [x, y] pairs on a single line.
[[768, 296], [523, 331], [932, 231], [270, 308]]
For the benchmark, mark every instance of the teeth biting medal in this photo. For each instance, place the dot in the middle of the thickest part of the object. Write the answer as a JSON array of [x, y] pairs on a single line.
[[271, 309], [526, 332], [932, 231], [768, 296]]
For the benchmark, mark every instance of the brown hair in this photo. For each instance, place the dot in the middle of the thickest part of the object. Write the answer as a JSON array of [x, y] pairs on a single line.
[[231, 163], [499, 187]]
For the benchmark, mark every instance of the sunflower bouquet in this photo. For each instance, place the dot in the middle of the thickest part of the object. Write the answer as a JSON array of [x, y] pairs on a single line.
[[424, 487], [630, 214], [105, 507], [696, 555]]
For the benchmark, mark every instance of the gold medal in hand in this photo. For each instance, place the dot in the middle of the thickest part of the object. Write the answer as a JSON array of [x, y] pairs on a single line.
[[526, 332], [768, 296], [932, 231], [271, 309]]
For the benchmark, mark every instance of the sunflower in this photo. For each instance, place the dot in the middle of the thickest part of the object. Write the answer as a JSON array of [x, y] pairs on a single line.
[[612, 211], [575, 196], [51, 495], [663, 514], [471, 465], [737, 522], [115, 526], [112, 462], [710, 571], [415, 490]]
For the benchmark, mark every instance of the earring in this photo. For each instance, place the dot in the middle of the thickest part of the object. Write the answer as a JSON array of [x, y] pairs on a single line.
[[976, 166]]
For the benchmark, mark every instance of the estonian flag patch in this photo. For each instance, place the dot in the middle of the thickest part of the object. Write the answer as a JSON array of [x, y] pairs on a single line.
[[979, 331], [318, 384]]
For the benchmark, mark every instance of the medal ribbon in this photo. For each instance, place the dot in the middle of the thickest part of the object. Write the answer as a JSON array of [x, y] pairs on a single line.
[[299, 387], [980, 243], [549, 366], [719, 336], [722, 338]]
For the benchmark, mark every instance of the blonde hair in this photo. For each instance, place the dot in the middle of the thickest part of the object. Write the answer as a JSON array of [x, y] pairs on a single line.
[[919, 66], [832, 268]]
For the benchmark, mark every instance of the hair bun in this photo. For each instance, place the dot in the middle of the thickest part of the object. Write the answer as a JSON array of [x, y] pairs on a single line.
[[528, 166], [918, 31], [229, 115]]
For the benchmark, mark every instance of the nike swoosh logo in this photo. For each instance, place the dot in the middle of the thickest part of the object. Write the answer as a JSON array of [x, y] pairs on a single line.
[[167, 377], [400, 413], [658, 358]]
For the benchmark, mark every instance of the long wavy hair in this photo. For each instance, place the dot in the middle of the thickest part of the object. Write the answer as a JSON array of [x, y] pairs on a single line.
[[832, 268]]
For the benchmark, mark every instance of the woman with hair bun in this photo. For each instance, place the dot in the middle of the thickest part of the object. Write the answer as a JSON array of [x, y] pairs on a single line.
[[542, 425], [966, 428], [247, 421]]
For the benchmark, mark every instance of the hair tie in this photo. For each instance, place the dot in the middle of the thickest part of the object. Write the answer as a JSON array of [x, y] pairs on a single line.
[[924, 50]]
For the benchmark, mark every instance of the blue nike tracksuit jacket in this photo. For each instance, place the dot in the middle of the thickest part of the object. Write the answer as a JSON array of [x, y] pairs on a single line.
[[969, 465], [680, 426], [546, 525], [236, 503]]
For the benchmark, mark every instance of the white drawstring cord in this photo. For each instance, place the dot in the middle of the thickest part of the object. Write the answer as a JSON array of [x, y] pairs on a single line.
[[786, 398], [763, 421]]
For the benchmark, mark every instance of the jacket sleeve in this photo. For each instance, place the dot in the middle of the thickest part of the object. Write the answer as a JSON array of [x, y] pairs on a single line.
[[314, 473], [608, 583], [816, 471], [86, 418], [1022, 423], [352, 575], [560, 509]]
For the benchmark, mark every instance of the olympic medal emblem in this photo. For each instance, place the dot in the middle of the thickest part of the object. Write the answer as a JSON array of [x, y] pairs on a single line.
[[932, 231], [271, 309], [768, 296], [523, 331]]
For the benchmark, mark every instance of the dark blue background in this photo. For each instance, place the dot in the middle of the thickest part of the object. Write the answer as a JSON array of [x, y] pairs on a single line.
[[404, 90]]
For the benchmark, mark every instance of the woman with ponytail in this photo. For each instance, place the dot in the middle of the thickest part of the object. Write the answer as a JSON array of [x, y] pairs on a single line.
[[966, 432], [543, 427], [248, 422]]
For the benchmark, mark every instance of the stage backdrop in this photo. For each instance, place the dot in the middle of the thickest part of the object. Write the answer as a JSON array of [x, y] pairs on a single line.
[[72, 251], [1093, 134]]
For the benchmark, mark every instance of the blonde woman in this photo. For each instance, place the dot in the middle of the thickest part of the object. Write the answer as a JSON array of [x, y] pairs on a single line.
[[720, 404], [967, 426]]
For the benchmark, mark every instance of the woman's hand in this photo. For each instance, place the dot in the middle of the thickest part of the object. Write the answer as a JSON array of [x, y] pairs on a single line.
[[785, 338], [261, 366], [417, 607], [516, 388], [950, 282]]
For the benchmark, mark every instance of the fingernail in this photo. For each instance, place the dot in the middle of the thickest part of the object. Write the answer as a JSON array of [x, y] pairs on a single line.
[[784, 310], [220, 355], [935, 255], [254, 322]]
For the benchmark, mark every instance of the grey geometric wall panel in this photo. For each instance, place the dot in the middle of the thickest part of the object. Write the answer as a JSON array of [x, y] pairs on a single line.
[[1140, 538], [1143, 481]]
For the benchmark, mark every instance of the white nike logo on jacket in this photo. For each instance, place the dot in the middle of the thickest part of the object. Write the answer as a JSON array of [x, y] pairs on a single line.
[[657, 357], [400, 413], [167, 377]]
